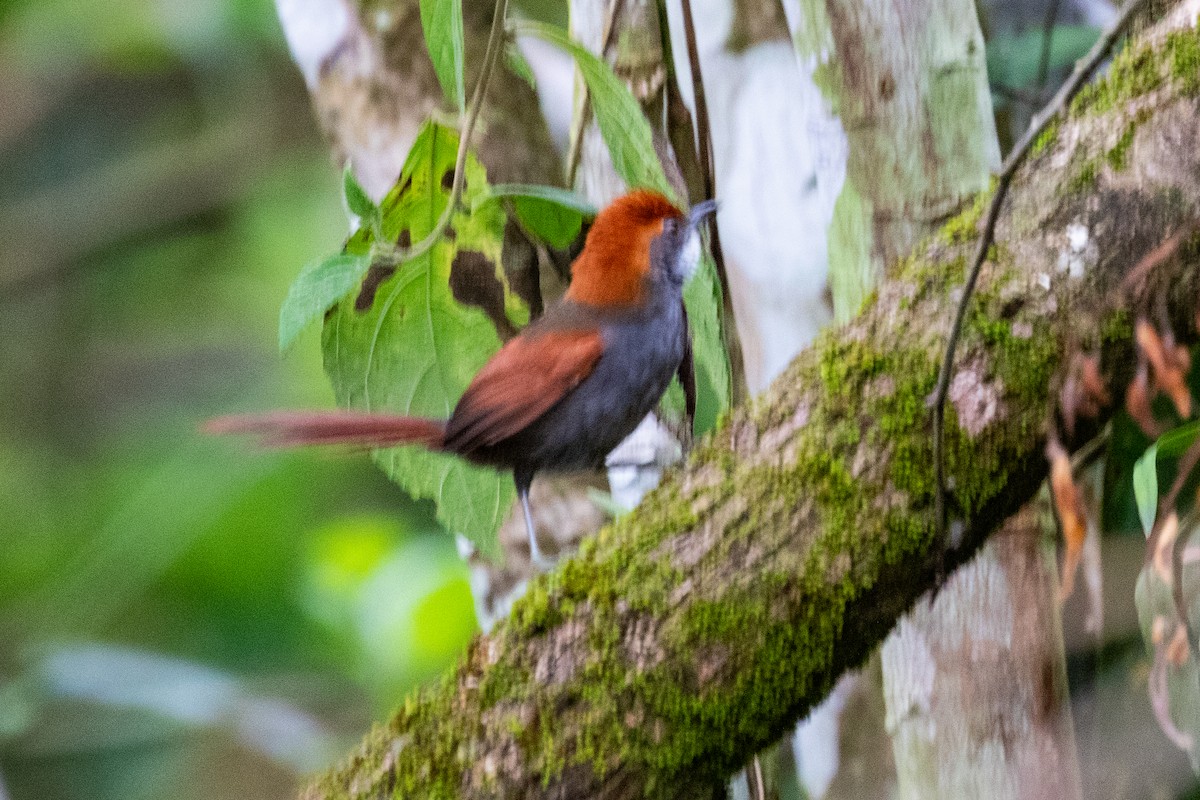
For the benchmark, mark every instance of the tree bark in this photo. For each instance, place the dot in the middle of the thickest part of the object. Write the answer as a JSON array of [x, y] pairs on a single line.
[[976, 682], [372, 85], [913, 94], [697, 629]]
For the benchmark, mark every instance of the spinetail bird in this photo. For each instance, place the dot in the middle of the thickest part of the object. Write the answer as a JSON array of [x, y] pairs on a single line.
[[572, 384]]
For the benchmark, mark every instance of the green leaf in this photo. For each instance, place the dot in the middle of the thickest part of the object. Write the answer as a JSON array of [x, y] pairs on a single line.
[[1176, 441], [405, 344], [518, 65], [550, 194], [552, 214], [316, 289], [1145, 487], [357, 200], [622, 124], [442, 22], [702, 296], [1171, 444]]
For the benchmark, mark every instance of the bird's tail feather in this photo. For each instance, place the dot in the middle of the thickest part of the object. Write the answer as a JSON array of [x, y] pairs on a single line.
[[353, 428]]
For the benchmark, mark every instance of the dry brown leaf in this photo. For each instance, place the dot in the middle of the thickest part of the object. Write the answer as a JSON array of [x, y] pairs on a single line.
[[1072, 515], [1177, 649], [1164, 548], [1158, 630], [1160, 701], [1083, 391], [1183, 358], [1166, 367], [1093, 383], [1137, 401]]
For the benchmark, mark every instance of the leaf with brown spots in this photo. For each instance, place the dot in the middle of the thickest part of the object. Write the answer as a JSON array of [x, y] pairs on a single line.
[[410, 340]]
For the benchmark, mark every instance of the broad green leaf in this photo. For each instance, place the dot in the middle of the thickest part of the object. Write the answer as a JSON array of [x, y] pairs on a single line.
[[356, 196], [622, 124], [316, 289], [555, 225], [702, 295], [404, 343], [442, 22], [552, 214], [1145, 487]]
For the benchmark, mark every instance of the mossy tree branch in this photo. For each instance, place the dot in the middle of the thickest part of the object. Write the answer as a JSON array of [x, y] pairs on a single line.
[[696, 630]]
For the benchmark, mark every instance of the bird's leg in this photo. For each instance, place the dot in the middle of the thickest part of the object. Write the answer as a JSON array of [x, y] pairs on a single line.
[[540, 562], [535, 553]]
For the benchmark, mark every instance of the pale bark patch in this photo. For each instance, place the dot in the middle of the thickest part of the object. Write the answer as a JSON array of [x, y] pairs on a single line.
[[976, 401]]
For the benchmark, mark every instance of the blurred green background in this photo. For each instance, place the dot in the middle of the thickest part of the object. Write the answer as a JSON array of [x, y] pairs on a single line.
[[181, 617]]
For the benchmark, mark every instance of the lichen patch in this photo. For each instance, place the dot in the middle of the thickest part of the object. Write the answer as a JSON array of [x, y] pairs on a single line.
[[976, 401]]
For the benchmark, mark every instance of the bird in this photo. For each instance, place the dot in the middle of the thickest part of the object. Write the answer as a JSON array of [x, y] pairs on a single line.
[[571, 385]]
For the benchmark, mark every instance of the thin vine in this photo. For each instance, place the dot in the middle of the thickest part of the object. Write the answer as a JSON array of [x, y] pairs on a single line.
[[394, 256], [1057, 105]]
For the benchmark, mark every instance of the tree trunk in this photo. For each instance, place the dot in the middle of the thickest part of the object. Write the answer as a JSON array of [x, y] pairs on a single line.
[[697, 629], [976, 683], [913, 93]]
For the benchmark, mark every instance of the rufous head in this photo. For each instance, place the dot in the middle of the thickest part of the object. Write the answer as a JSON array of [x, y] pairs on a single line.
[[635, 234]]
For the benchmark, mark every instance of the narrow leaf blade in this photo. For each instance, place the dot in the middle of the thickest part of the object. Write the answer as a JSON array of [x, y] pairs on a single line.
[[551, 194], [702, 295], [357, 200], [1175, 442], [622, 124], [519, 66], [1145, 487], [442, 22]]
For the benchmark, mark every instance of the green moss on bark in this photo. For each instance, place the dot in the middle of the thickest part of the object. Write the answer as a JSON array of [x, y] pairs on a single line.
[[1140, 68]]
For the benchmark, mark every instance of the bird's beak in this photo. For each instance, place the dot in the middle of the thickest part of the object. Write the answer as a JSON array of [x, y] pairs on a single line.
[[700, 212]]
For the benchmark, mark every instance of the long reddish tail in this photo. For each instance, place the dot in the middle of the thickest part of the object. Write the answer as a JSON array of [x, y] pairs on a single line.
[[361, 428]]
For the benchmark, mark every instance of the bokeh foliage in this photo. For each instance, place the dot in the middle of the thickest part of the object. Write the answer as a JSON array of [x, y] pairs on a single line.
[[181, 617]]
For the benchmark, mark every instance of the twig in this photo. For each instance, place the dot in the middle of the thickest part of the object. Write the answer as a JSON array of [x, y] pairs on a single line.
[[1152, 260], [1057, 105], [1090, 453], [575, 146], [737, 369], [754, 778], [397, 255]]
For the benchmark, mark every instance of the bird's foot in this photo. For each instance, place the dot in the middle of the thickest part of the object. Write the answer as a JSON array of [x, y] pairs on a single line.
[[539, 560]]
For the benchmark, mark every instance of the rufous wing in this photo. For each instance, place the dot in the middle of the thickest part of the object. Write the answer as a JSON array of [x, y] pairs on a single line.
[[521, 383]]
